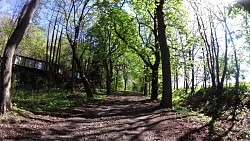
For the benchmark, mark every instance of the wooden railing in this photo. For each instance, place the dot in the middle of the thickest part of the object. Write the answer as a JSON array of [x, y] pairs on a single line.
[[36, 64], [28, 62]]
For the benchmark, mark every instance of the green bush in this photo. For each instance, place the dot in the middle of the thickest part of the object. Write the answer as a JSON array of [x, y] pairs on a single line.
[[214, 103]]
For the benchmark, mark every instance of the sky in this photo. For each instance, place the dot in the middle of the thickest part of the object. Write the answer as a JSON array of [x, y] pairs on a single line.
[[7, 7], [222, 1]]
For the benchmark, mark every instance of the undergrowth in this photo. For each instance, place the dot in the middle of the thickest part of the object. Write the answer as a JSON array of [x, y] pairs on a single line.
[[211, 103], [227, 108]]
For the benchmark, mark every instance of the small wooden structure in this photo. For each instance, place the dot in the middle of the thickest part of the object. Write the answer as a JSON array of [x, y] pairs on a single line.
[[40, 68]]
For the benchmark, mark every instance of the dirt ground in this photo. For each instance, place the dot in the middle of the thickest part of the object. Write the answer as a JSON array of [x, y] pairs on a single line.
[[123, 117]]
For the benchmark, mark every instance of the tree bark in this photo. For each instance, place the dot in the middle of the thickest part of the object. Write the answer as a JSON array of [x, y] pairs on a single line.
[[58, 52], [155, 66], [47, 44], [116, 79], [221, 84], [191, 57], [154, 88], [14, 40], [145, 87], [73, 67], [109, 74], [166, 100], [177, 79], [204, 69], [84, 80], [125, 82], [186, 75]]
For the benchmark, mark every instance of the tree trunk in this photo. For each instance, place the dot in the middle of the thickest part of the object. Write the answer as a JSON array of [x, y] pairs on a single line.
[[237, 71], [14, 40], [212, 56], [155, 74], [177, 80], [155, 67], [209, 48], [166, 100], [154, 88], [73, 40], [108, 82], [237, 75], [108, 86], [125, 82], [186, 69], [84, 80], [54, 51], [220, 85], [73, 70], [192, 70], [109, 74], [116, 79], [47, 44], [145, 87], [51, 53], [145, 84], [186, 86], [58, 52], [204, 69]]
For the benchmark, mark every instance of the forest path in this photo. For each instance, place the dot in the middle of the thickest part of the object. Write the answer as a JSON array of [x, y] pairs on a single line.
[[126, 116]]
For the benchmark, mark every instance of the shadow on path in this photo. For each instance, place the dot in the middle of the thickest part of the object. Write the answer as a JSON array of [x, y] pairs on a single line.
[[124, 116]]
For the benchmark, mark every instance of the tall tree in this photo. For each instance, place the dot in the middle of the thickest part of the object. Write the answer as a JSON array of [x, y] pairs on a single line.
[[166, 100], [152, 45], [78, 11], [13, 42], [106, 48], [217, 67]]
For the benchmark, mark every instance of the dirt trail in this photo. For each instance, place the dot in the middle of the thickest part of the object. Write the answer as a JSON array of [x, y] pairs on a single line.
[[123, 117]]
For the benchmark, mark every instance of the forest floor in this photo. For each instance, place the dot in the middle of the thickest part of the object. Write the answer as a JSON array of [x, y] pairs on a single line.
[[125, 116]]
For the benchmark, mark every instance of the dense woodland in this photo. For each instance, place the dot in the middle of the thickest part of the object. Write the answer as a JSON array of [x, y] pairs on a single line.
[[187, 54]]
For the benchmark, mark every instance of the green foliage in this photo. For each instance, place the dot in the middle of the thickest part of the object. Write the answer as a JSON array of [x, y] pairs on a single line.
[[6, 27], [109, 50], [179, 96], [33, 43]]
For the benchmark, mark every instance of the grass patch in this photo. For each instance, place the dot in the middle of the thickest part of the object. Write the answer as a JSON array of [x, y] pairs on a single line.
[[45, 100], [245, 133]]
